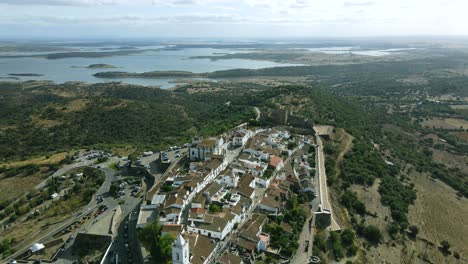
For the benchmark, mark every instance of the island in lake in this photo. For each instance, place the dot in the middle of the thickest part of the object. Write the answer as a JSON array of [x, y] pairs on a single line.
[[97, 66], [25, 74]]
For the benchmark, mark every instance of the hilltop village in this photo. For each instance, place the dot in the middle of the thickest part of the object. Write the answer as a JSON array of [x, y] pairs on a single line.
[[245, 195]]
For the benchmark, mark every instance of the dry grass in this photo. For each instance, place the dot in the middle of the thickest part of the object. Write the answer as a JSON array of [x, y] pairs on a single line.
[[24, 183], [445, 123], [440, 214], [14, 187], [458, 107], [346, 143], [74, 106], [45, 122], [122, 103], [414, 80], [123, 151], [461, 135], [52, 159], [450, 160]]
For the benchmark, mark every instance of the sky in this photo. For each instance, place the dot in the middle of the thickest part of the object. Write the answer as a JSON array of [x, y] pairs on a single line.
[[230, 18]]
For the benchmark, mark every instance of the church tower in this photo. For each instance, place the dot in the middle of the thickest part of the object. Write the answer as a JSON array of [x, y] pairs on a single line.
[[180, 251]]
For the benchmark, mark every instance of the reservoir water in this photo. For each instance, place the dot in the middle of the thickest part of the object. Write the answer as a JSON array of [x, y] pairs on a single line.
[[73, 69]]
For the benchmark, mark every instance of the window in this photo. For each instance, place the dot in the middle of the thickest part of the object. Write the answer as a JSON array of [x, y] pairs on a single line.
[[177, 257]]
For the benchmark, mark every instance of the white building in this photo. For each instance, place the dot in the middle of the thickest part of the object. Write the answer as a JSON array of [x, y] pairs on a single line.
[[214, 226], [202, 150], [240, 137], [180, 251]]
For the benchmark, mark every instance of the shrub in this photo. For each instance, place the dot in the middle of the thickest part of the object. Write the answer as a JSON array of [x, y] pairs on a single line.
[[372, 234]]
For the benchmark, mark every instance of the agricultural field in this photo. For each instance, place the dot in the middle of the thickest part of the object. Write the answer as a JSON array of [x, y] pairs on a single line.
[[446, 123]]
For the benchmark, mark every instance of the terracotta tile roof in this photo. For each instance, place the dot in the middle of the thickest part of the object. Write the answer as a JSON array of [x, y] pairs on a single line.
[[200, 246], [230, 259], [213, 164], [213, 188], [198, 210], [244, 243], [270, 202], [217, 224], [286, 227], [172, 229], [252, 227], [246, 179], [275, 161], [245, 190], [274, 192], [207, 142]]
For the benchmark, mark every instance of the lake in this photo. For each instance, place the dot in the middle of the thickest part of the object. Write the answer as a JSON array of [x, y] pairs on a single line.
[[64, 70]]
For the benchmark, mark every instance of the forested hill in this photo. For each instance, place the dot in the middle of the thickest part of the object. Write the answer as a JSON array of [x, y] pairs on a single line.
[[48, 118]]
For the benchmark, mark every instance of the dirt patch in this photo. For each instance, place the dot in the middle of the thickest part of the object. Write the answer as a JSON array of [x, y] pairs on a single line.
[[445, 123]]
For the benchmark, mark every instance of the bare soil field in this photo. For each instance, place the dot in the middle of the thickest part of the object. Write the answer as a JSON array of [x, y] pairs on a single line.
[[445, 123]]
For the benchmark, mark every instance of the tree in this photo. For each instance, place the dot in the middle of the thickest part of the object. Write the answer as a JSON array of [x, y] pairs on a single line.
[[445, 246], [159, 246], [347, 237], [413, 230], [393, 229], [214, 208], [372, 234]]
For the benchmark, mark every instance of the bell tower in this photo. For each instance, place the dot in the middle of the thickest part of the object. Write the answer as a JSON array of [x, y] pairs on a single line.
[[180, 251]]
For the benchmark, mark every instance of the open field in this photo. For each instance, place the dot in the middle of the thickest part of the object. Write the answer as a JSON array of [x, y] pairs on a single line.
[[74, 105], [52, 159], [450, 160], [48, 123], [461, 135], [457, 107], [445, 123], [20, 184], [440, 214]]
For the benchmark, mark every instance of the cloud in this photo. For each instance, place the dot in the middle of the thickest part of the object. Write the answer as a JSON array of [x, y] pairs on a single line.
[[300, 4], [189, 18], [358, 4], [73, 2]]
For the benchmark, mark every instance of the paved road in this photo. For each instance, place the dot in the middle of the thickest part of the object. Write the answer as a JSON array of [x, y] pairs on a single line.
[[257, 110], [79, 214]]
